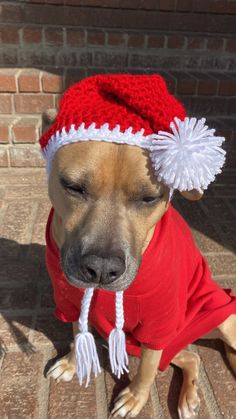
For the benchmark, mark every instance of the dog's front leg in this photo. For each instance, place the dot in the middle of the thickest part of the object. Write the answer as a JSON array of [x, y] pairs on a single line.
[[131, 400]]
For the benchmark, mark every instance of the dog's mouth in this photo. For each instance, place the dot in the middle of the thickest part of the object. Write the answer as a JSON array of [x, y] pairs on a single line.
[[77, 277]]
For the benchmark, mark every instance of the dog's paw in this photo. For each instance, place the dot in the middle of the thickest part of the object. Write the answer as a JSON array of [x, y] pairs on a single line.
[[62, 370], [129, 403], [189, 403]]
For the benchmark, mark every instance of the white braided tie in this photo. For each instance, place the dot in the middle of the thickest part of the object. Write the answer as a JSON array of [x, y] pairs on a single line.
[[85, 348], [117, 348]]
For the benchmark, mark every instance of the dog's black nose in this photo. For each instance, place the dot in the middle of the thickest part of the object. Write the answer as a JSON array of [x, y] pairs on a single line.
[[100, 269]]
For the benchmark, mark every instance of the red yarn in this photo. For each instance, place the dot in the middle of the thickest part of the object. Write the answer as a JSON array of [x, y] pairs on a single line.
[[137, 101]]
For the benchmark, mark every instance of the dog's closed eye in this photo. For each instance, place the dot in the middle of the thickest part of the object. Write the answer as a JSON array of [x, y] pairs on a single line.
[[73, 188], [151, 199]]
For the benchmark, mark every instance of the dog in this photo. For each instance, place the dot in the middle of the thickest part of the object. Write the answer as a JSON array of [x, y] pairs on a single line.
[[117, 252], [107, 202]]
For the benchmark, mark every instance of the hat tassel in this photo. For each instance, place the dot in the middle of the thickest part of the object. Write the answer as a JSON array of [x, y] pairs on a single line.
[[117, 348], [85, 348]]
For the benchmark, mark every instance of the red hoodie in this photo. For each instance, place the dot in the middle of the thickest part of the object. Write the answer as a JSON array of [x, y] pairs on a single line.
[[172, 301]]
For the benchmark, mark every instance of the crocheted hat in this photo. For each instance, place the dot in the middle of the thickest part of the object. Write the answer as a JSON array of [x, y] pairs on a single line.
[[136, 110]]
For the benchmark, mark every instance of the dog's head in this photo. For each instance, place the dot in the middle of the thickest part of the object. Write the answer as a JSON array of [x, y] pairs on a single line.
[[107, 202]]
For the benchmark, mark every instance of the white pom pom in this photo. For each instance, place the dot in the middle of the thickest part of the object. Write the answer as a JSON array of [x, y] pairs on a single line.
[[188, 158]]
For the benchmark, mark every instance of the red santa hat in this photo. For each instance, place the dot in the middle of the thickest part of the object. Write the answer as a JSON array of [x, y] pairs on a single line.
[[138, 110]]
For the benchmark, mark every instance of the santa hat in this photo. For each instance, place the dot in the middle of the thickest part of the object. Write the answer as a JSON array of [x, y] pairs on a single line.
[[136, 110]]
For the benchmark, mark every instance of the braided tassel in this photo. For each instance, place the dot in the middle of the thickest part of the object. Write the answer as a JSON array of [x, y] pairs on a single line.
[[85, 348], [117, 349]]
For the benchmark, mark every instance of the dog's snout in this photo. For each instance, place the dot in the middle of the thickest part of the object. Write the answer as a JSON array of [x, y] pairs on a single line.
[[98, 269]]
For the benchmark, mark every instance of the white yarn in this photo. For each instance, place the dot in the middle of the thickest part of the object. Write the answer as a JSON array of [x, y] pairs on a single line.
[[85, 348], [104, 133], [189, 157], [117, 348]]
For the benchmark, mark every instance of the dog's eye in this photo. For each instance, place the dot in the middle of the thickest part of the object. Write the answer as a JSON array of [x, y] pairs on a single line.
[[151, 199], [79, 190], [73, 189]]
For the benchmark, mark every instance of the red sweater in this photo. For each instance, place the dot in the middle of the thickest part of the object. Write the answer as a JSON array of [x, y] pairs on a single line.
[[172, 301]]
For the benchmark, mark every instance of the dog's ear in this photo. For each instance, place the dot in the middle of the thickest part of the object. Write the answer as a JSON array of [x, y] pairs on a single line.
[[48, 118], [193, 195]]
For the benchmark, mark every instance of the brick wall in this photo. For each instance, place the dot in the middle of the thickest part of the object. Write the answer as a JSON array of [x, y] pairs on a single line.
[[48, 45]]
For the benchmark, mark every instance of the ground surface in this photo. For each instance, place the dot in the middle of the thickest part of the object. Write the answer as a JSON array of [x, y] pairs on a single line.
[[30, 335]]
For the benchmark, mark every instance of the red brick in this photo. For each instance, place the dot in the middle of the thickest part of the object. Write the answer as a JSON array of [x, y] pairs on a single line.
[[26, 130], [207, 85], [9, 34], [175, 41], [167, 5], [227, 87], [171, 81], [8, 80], [10, 56], [33, 103], [52, 83], [75, 37], [11, 13], [156, 41], [136, 40], [32, 35], [215, 43], [105, 59], [184, 5], [231, 45], [5, 104], [53, 36], [70, 400], [4, 134], [28, 81], [5, 128], [26, 156], [3, 157], [196, 42], [95, 37], [116, 38], [19, 385], [186, 84]]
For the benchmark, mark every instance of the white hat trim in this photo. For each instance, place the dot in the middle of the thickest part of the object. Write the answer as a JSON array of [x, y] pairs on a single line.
[[104, 133], [188, 158]]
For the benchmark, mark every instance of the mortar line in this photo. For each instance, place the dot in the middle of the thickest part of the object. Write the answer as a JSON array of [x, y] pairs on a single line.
[[44, 387], [3, 211], [101, 396], [1, 361], [31, 223]]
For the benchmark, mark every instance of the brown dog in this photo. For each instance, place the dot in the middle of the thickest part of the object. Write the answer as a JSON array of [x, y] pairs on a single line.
[[108, 220]]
